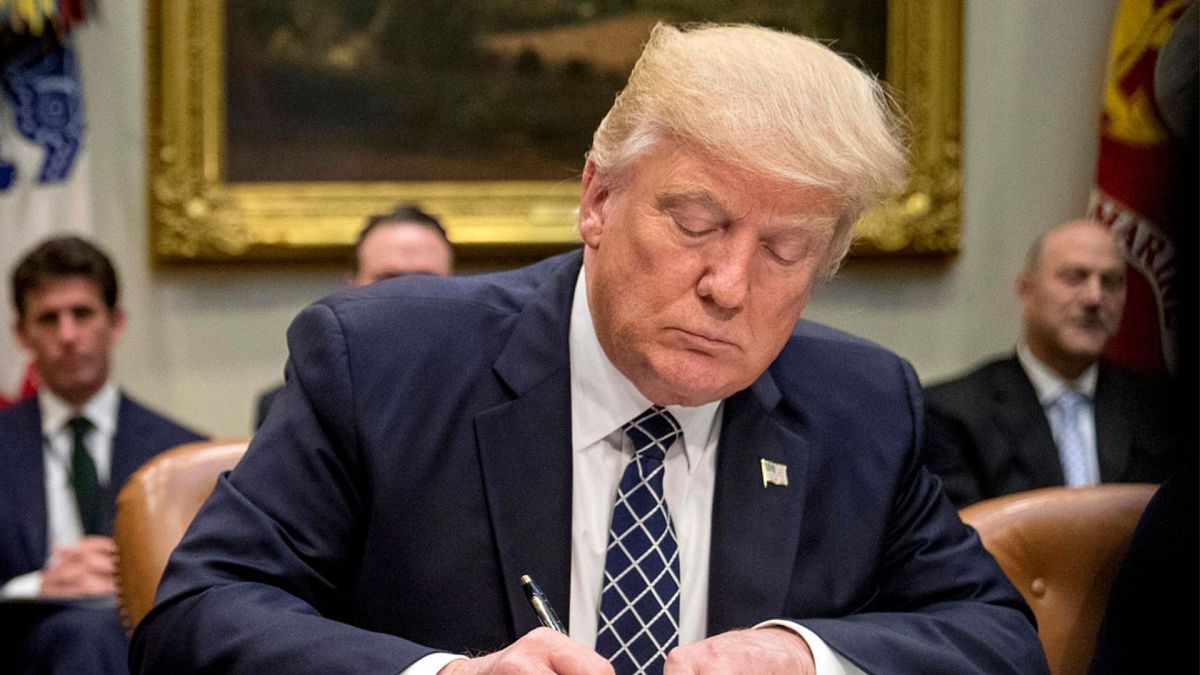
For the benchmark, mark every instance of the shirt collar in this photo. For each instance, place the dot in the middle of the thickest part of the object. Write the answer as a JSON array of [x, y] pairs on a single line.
[[603, 399], [1047, 383], [100, 410]]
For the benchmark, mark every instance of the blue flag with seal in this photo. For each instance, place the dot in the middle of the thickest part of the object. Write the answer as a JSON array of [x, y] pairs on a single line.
[[44, 187]]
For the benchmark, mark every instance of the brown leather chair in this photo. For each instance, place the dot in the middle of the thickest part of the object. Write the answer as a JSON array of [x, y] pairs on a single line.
[[155, 508], [1061, 548]]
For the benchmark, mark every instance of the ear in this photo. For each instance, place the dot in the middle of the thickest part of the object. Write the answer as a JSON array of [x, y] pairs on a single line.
[[591, 205], [117, 314], [1024, 290], [18, 329]]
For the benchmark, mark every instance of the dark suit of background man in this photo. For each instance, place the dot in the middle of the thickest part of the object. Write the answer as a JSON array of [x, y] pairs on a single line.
[[57, 507], [439, 438], [1006, 427], [405, 241]]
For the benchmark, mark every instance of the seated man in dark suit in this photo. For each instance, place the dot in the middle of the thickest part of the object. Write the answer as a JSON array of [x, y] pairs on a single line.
[[404, 241], [66, 453], [699, 481], [1054, 413]]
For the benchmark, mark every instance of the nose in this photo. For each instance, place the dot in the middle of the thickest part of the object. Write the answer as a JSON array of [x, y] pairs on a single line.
[[1092, 290], [726, 277], [68, 329]]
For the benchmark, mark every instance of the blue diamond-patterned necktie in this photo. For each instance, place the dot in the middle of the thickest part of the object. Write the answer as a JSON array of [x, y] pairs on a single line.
[[639, 602], [1072, 449]]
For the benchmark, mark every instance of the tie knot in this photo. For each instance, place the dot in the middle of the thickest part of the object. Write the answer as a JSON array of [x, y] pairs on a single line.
[[1071, 400], [79, 426], [653, 432]]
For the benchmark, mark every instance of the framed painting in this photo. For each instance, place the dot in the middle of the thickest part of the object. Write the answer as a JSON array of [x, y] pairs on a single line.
[[276, 126]]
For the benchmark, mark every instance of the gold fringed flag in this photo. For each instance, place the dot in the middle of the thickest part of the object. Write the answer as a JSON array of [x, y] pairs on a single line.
[[1141, 185], [38, 17], [44, 188]]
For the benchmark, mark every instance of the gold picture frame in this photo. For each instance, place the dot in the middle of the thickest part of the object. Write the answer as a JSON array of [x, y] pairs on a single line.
[[196, 215]]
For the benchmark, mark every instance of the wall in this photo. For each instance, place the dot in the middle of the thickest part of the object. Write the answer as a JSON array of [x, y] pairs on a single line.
[[202, 342]]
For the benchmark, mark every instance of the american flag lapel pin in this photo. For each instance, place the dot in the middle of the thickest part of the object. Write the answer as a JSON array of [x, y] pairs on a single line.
[[773, 473]]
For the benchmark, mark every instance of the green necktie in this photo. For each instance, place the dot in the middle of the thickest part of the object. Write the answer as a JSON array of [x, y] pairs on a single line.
[[83, 477]]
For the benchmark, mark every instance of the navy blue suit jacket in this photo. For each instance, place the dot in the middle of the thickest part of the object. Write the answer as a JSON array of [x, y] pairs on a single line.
[[140, 435], [418, 463]]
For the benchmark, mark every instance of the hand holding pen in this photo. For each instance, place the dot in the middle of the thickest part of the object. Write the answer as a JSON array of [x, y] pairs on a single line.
[[537, 651]]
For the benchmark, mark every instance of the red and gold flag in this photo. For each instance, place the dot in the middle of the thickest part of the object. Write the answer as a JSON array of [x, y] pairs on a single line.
[[1141, 187]]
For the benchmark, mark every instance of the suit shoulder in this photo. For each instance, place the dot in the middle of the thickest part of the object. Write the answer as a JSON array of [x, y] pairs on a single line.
[[814, 335], [446, 313], [154, 423], [1146, 397], [496, 292], [984, 380], [824, 357], [20, 418], [1132, 379]]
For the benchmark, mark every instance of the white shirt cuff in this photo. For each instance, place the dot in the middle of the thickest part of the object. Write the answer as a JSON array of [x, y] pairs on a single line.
[[828, 662], [431, 664], [28, 585]]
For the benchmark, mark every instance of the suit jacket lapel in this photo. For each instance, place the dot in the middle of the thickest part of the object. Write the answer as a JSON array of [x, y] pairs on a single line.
[[29, 470], [124, 457], [1114, 433], [753, 557], [128, 453], [525, 452], [1017, 408]]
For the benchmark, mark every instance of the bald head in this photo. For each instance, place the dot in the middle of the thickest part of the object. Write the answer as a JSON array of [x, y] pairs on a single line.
[[1072, 293]]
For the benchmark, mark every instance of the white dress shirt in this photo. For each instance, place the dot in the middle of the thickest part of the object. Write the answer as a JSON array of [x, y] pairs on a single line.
[[602, 401], [63, 527], [1049, 386]]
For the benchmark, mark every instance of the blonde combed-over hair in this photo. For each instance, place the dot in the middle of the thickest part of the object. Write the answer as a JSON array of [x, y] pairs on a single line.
[[777, 104]]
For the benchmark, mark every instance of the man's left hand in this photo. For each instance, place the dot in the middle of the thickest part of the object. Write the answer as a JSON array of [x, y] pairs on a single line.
[[763, 651]]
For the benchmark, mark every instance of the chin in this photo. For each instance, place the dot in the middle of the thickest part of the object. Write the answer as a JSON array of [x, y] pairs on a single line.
[[1089, 349], [1082, 356], [691, 386]]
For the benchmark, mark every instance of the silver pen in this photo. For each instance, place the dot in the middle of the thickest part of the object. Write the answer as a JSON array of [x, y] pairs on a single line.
[[541, 606]]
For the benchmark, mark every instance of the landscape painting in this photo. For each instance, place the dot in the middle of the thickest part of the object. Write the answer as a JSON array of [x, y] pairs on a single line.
[[276, 126], [391, 90]]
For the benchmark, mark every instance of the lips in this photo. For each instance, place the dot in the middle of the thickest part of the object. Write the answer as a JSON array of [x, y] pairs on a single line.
[[73, 363], [705, 340], [1090, 323]]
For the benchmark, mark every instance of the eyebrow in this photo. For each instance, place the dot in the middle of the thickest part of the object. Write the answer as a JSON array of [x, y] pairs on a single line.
[[699, 197]]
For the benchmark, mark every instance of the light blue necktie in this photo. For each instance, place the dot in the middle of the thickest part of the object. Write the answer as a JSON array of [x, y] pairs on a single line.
[[639, 603], [1072, 449]]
